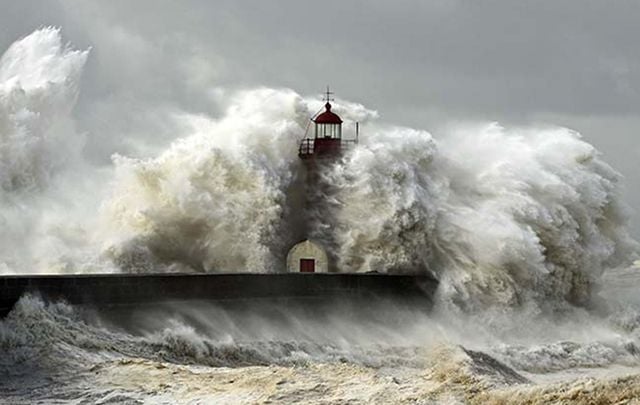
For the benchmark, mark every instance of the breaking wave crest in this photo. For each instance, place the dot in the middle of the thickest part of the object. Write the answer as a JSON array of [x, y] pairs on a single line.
[[501, 216], [59, 352], [39, 84], [40, 335], [518, 224], [36, 333], [40, 151]]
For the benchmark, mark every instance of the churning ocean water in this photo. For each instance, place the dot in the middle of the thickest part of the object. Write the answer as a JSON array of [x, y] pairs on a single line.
[[523, 227]]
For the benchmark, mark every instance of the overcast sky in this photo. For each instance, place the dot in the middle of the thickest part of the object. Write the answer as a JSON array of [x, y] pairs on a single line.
[[424, 64]]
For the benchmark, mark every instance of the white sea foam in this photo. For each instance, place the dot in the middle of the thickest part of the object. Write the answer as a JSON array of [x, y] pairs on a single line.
[[502, 216], [517, 224]]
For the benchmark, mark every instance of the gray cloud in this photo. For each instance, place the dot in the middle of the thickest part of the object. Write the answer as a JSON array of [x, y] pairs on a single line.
[[424, 64]]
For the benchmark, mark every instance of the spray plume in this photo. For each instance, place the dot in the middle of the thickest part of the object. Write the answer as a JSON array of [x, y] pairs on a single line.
[[501, 216]]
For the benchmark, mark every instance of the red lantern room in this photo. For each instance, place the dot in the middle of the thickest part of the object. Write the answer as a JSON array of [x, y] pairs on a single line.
[[328, 124], [327, 141]]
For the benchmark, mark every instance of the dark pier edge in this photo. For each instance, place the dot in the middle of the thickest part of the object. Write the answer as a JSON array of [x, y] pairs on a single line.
[[108, 290]]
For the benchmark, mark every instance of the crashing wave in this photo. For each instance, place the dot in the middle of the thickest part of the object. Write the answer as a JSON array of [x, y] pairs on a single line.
[[502, 216], [39, 84]]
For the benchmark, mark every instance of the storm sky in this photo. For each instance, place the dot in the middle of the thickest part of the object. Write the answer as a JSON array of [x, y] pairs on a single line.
[[425, 64]]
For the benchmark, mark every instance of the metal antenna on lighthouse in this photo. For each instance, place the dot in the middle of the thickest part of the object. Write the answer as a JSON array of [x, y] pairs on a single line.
[[328, 95]]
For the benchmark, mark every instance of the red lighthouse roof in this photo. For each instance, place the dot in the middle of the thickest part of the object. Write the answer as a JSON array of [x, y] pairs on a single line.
[[328, 117]]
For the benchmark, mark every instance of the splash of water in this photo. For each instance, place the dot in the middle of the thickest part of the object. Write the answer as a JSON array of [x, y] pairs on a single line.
[[39, 80], [501, 216], [40, 151]]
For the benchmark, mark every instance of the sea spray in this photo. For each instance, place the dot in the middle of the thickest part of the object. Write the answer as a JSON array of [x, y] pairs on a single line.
[[39, 85], [214, 198], [41, 155], [516, 223], [503, 217]]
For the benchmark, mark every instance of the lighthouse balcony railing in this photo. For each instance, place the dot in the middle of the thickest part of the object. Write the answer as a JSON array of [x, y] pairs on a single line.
[[307, 147], [348, 143]]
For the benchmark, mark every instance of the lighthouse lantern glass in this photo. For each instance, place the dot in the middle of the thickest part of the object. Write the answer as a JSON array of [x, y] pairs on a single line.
[[333, 131]]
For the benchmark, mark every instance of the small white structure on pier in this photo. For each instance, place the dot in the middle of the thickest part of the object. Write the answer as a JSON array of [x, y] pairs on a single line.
[[307, 257]]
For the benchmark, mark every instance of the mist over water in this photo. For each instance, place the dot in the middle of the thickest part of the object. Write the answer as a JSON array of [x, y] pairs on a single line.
[[518, 224]]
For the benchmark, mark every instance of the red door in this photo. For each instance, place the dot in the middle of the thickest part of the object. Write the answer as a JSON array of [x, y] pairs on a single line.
[[307, 266]]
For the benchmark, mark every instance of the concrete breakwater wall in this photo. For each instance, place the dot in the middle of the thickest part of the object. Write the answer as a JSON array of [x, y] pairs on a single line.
[[106, 290]]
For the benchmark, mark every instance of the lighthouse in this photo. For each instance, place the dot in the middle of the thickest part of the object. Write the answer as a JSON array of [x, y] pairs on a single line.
[[327, 142], [320, 148]]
